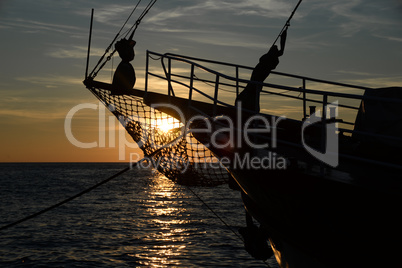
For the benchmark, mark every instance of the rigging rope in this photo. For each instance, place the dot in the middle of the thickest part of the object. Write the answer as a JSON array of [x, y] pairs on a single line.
[[287, 24], [220, 218], [213, 212], [114, 39], [147, 8], [130, 16], [101, 63]]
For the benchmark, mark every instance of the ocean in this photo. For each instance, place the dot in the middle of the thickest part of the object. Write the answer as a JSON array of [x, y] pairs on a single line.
[[139, 219]]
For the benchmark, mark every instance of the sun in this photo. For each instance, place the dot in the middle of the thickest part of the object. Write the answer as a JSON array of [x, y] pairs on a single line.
[[166, 124], [165, 127]]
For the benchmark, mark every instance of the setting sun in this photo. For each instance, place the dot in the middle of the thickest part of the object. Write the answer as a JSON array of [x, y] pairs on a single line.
[[167, 124]]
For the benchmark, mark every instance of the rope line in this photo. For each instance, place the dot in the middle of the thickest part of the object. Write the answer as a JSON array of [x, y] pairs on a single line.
[[102, 61], [213, 212], [88, 189], [66, 200], [132, 12], [221, 219], [111, 44], [287, 24], [144, 12]]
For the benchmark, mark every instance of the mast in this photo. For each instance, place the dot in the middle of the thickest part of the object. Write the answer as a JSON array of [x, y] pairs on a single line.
[[89, 43]]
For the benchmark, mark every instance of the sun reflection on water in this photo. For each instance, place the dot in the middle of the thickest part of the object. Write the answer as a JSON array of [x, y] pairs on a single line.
[[165, 206]]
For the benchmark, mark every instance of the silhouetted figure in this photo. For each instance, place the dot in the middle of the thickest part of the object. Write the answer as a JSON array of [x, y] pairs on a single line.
[[124, 76], [250, 96]]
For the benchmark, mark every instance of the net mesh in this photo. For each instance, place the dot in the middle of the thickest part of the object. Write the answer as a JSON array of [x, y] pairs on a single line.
[[173, 151]]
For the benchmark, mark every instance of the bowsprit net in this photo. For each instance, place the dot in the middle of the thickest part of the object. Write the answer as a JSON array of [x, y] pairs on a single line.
[[172, 150]]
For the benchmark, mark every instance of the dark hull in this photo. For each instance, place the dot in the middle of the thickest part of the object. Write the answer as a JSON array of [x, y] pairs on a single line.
[[315, 216], [318, 216], [334, 223], [344, 217]]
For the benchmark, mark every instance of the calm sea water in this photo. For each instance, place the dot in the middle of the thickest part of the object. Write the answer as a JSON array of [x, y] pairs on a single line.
[[140, 219]]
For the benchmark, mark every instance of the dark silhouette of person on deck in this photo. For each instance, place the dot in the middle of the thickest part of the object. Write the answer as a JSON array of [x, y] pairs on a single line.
[[250, 96]]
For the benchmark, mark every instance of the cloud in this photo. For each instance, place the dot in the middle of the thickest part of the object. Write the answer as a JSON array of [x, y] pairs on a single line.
[[271, 8], [112, 15], [390, 38], [203, 9], [222, 38], [282, 110], [355, 73], [51, 81], [38, 108], [39, 26], [350, 17], [33, 114], [214, 23], [360, 15], [115, 14], [74, 52], [378, 82]]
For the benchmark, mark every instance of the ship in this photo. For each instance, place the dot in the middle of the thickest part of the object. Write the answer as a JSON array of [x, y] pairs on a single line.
[[324, 189]]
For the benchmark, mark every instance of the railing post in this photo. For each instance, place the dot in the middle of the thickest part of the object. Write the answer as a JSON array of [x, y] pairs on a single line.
[[169, 75], [237, 81], [304, 99], [216, 94], [146, 71], [324, 122], [190, 94]]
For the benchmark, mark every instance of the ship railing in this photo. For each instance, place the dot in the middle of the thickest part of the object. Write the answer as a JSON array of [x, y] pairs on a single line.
[[238, 83]]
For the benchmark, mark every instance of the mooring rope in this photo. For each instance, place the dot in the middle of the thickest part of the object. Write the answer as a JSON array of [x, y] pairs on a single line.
[[215, 214], [103, 182], [86, 190], [221, 219], [68, 199]]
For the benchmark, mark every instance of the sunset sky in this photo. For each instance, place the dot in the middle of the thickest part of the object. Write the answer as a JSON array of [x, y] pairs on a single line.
[[43, 55]]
